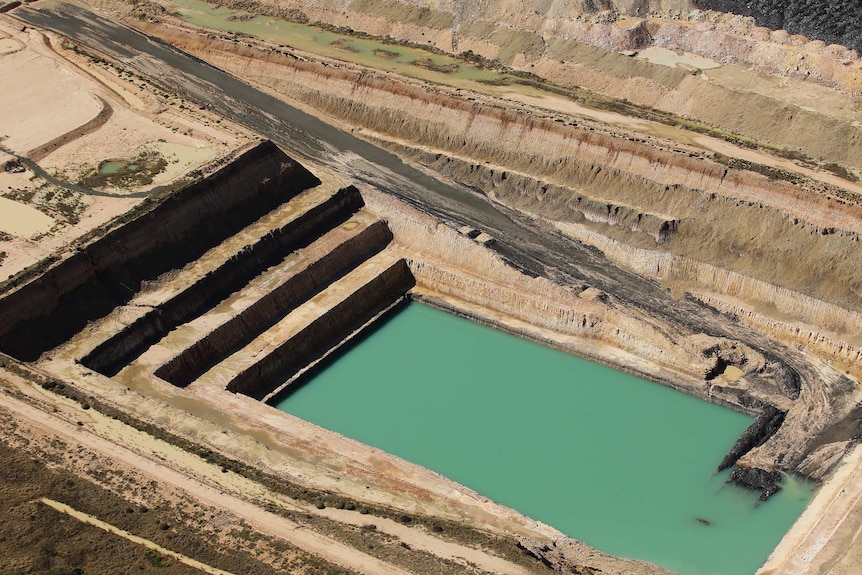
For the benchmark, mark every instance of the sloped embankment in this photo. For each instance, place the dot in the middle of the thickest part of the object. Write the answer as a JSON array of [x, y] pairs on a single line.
[[107, 272], [580, 44], [635, 191]]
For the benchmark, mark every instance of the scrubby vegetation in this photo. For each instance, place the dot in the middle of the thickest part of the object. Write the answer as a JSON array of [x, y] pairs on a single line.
[[453, 530], [429, 64], [137, 172]]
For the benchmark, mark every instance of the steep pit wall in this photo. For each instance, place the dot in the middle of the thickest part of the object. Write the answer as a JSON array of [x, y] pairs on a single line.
[[582, 321], [118, 351], [703, 247], [585, 327], [739, 292], [106, 273], [824, 344], [577, 46], [645, 175], [577, 153], [450, 267], [735, 222], [324, 332], [266, 312], [557, 202], [458, 274]]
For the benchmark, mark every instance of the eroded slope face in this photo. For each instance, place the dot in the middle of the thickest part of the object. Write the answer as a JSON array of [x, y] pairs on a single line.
[[591, 45], [748, 233], [674, 211], [771, 246], [771, 242]]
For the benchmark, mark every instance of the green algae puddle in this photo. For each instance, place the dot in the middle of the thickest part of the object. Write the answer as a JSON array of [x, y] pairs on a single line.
[[623, 464], [401, 59]]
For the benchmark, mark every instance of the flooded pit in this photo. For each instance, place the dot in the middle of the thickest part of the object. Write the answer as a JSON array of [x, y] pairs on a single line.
[[623, 464]]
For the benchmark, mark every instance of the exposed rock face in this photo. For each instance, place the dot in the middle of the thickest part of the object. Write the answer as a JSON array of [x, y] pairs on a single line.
[[107, 272], [539, 37], [779, 258], [666, 211], [767, 482], [764, 427], [584, 179], [129, 343]]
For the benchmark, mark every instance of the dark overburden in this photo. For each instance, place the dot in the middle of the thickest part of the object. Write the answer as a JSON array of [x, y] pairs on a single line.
[[833, 21]]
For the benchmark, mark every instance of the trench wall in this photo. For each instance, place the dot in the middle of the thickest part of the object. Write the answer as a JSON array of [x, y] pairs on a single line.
[[108, 272], [691, 204], [266, 312], [111, 356], [326, 331]]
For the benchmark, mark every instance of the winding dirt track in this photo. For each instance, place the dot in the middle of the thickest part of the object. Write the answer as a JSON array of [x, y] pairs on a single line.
[[96, 522], [46, 424]]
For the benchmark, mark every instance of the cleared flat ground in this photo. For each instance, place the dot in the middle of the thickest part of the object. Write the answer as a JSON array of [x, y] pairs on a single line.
[[70, 112]]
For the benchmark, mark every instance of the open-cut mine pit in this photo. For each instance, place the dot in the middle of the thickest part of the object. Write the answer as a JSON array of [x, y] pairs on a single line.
[[692, 217]]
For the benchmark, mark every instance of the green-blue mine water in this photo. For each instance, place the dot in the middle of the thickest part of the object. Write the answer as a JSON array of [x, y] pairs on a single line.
[[404, 60], [623, 464], [112, 167]]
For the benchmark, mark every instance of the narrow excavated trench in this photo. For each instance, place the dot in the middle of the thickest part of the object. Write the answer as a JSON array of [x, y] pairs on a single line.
[[239, 281]]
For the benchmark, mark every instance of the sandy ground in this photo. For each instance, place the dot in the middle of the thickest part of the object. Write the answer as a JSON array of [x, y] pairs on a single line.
[[58, 91], [22, 220], [181, 158], [33, 114], [673, 58], [9, 45], [45, 417], [825, 538]]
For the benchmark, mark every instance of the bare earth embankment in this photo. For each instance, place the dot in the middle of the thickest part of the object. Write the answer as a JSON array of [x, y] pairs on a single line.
[[634, 189]]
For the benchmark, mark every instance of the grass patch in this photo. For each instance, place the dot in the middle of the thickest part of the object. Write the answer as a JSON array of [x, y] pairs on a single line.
[[133, 173], [344, 44], [386, 54], [768, 171], [841, 172], [429, 64], [155, 559]]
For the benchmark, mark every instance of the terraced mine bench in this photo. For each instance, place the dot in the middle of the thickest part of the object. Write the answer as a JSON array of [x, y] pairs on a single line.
[[238, 281]]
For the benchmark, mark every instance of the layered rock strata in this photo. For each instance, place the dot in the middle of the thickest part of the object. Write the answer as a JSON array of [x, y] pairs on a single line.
[[608, 188], [661, 208], [109, 271], [774, 251], [580, 44]]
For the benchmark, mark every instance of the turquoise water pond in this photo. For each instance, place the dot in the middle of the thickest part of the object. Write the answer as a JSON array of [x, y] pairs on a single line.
[[623, 464]]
